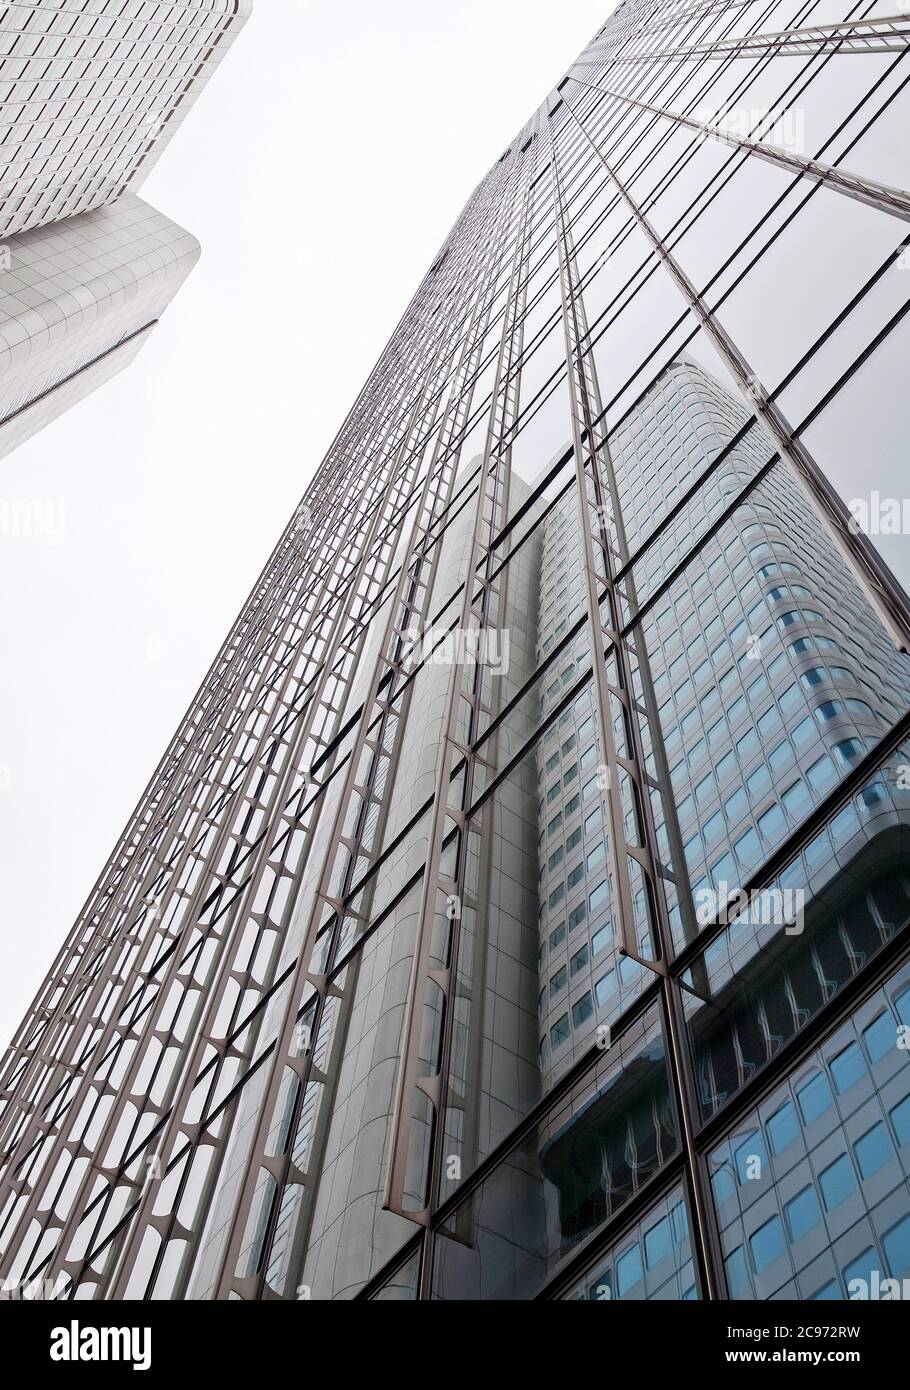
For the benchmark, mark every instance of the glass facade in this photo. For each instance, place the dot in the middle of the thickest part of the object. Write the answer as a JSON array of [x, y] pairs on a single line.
[[522, 909]]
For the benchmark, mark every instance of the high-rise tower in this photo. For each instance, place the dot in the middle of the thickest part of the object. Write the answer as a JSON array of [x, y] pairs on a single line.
[[91, 92], [523, 906]]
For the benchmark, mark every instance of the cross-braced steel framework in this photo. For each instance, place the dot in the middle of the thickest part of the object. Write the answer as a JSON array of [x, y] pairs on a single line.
[[284, 1051]]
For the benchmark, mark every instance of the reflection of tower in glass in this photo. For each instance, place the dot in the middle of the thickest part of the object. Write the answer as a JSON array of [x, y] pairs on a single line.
[[762, 693]]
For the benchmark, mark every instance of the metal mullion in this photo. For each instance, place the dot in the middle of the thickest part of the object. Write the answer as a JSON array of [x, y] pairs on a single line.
[[880, 588], [889, 34], [782, 436], [227, 647], [437, 487], [682, 1083], [473, 617], [81, 966], [598, 569], [669, 175], [221, 969], [876, 195], [163, 986], [416, 420], [154, 870], [85, 946]]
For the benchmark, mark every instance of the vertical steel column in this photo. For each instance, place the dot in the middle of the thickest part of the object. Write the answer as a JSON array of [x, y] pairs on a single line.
[[615, 705], [434, 962]]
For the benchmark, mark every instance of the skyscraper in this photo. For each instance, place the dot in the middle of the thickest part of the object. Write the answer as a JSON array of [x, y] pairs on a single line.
[[90, 95], [521, 909]]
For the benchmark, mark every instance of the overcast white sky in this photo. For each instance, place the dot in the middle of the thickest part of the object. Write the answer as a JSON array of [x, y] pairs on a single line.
[[320, 171]]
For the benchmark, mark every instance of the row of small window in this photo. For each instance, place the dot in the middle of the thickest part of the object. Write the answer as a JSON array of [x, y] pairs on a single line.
[[560, 1032], [592, 903], [796, 802], [773, 824], [789, 699], [555, 825], [768, 1244], [693, 634], [843, 755], [643, 481], [599, 941], [872, 1150], [815, 1097], [557, 688], [577, 874], [588, 791], [580, 735], [625, 975], [623, 1272]]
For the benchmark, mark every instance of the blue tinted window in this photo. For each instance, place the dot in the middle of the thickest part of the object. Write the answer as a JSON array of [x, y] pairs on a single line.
[[605, 987], [780, 757], [582, 1010], [745, 1155], [837, 1183], [773, 825], [722, 1185], [747, 848], [802, 1213], [628, 1270], [862, 1267], [796, 799], [737, 1275], [847, 1068], [601, 939], [767, 1244], [805, 732], [821, 774], [724, 871], [897, 1248], [880, 1037], [680, 1223], [900, 1118], [658, 1243], [783, 1128], [873, 1150], [814, 1098], [827, 1292], [902, 1004]]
